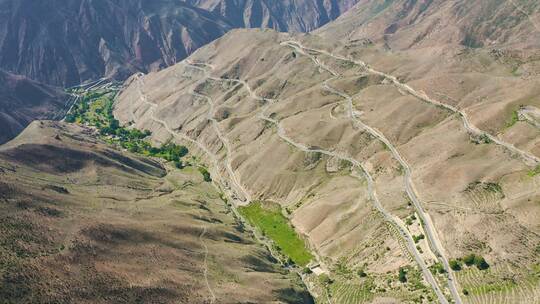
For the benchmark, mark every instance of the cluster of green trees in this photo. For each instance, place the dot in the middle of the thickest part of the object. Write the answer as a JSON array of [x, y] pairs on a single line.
[[418, 238], [96, 109], [402, 276], [437, 268], [80, 109], [469, 260], [206, 175]]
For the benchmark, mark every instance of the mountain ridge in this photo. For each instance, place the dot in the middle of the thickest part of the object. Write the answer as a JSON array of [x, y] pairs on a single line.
[[23, 100]]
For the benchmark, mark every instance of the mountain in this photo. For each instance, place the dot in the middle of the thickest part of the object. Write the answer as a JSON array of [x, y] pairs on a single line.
[[391, 156], [23, 100], [65, 43], [400, 167], [81, 222], [403, 24], [285, 16]]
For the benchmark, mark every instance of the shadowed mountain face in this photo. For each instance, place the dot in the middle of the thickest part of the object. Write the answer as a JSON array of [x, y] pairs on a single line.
[[23, 100], [67, 42], [284, 15]]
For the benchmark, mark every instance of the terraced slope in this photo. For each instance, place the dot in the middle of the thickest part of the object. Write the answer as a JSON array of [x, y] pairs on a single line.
[[82, 222], [384, 161]]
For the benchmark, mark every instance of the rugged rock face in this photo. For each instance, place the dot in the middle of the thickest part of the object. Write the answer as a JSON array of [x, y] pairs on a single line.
[[23, 100], [284, 15], [67, 42]]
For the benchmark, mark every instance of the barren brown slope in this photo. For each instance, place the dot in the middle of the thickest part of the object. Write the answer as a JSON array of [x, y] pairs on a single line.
[[404, 24], [294, 138], [23, 100], [82, 223]]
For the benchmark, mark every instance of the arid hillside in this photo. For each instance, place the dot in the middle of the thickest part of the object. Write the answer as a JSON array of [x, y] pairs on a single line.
[[404, 24], [412, 175], [23, 100], [81, 222]]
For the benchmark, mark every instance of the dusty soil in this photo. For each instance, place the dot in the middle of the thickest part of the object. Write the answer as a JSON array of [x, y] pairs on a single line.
[[83, 223]]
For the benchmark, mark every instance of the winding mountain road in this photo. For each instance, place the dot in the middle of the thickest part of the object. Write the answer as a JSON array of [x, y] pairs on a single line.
[[433, 239], [528, 157], [395, 221], [246, 199]]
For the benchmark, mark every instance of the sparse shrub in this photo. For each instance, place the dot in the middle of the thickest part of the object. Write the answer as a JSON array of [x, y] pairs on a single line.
[[409, 221], [206, 175], [534, 171], [437, 268], [476, 260], [480, 263], [469, 259], [402, 276], [465, 292], [455, 265], [493, 187], [307, 270], [325, 280], [362, 273], [513, 119], [179, 164], [418, 238]]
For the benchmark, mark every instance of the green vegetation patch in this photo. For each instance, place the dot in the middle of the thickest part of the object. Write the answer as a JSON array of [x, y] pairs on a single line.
[[535, 171], [437, 268], [96, 109], [418, 238], [489, 187], [513, 119], [469, 260], [206, 175], [273, 224]]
